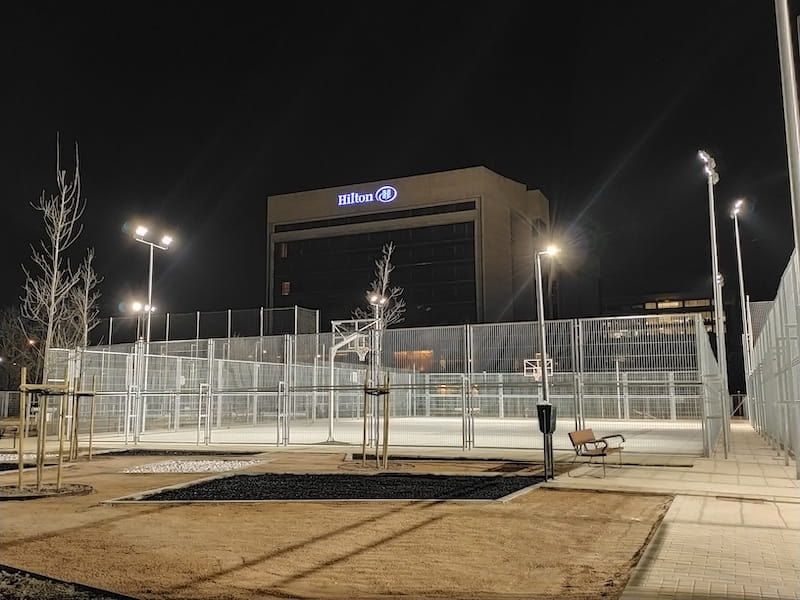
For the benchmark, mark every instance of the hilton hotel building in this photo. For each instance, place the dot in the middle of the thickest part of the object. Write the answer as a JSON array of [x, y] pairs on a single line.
[[464, 246]]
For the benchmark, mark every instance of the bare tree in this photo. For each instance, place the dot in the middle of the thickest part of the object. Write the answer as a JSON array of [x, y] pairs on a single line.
[[46, 290], [18, 347], [80, 307], [395, 307]]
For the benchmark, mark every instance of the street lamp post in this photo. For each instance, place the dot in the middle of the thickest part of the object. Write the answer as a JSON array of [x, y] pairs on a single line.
[[166, 240], [378, 303], [550, 251], [138, 308], [712, 178], [746, 334]]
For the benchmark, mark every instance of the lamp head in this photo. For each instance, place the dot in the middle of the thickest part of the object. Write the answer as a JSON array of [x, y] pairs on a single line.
[[738, 207], [552, 250], [166, 241], [136, 306], [376, 299], [705, 157], [141, 231]]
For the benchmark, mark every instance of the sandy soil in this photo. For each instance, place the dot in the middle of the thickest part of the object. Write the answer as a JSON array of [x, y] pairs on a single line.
[[542, 544]]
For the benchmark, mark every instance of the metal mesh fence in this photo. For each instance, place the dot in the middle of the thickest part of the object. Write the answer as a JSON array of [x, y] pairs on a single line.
[[774, 383], [207, 325], [653, 379]]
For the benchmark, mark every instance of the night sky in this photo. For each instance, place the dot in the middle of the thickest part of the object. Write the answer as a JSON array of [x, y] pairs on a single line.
[[190, 116]]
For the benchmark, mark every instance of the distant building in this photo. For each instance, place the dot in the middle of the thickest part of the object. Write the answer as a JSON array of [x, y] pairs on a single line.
[[661, 304], [465, 242]]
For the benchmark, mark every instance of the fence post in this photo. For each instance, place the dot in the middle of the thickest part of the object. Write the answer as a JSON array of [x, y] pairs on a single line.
[[139, 371], [176, 408], [213, 386], [672, 411]]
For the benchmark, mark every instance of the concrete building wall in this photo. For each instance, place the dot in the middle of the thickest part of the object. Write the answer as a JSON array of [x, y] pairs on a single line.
[[505, 217]]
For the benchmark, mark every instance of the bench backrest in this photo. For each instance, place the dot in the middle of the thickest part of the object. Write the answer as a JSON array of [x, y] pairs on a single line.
[[580, 437]]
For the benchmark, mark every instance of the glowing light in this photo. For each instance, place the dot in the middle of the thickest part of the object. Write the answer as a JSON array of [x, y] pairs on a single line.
[[166, 240], [377, 299], [552, 250], [141, 231], [136, 306]]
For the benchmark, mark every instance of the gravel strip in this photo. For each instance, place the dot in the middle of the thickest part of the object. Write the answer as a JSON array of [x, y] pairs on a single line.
[[19, 585], [193, 466], [384, 486], [15, 457]]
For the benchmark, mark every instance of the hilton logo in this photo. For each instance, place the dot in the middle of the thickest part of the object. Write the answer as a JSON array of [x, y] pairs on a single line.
[[383, 194]]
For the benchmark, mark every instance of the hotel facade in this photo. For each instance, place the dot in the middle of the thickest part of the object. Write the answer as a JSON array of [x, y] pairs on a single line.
[[465, 242]]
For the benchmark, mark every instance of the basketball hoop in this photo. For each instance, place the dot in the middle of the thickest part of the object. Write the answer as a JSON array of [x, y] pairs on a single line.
[[362, 352], [532, 367]]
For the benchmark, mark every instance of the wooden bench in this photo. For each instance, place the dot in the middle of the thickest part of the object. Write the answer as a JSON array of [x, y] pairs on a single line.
[[586, 444], [9, 429]]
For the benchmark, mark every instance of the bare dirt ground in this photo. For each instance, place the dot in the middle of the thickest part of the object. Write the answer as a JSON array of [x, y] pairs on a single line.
[[541, 544]]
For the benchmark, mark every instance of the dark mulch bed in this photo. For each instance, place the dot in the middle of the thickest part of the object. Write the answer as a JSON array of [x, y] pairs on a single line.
[[13, 466], [148, 452], [384, 486]]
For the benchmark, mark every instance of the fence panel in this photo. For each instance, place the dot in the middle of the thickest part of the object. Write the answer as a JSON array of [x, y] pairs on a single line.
[[653, 378], [774, 383]]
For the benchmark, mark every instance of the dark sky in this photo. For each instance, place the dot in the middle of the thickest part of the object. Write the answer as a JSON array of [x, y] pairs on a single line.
[[192, 116]]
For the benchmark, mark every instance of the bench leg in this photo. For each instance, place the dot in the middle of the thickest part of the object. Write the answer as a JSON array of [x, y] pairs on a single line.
[[572, 465]]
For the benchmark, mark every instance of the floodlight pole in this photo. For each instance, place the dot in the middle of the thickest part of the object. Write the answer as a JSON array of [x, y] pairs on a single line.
[[790, 110], [149, 282], [542, 336], [743, 300], [166, 240], [716, 281], [149, 294]]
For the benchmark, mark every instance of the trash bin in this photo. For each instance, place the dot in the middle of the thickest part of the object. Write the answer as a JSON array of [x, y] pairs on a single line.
[[547, 418], [547, 425]]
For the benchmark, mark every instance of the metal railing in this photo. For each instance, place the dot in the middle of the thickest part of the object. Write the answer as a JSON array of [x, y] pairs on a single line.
[[774, 383]]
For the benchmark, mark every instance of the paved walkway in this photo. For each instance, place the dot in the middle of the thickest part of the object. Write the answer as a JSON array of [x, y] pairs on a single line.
[[733, 530]]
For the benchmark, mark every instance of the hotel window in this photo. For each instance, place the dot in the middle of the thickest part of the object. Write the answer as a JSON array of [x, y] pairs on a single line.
[[650, 306], [670, 304], [286, 288], [283, 249], [694, 303]]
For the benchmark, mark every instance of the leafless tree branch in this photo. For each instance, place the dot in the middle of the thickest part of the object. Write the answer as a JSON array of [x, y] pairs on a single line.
[[395, 307], [48, 284]]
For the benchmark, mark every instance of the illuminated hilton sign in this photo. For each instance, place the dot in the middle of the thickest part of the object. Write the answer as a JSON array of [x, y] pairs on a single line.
[[383, 194]]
